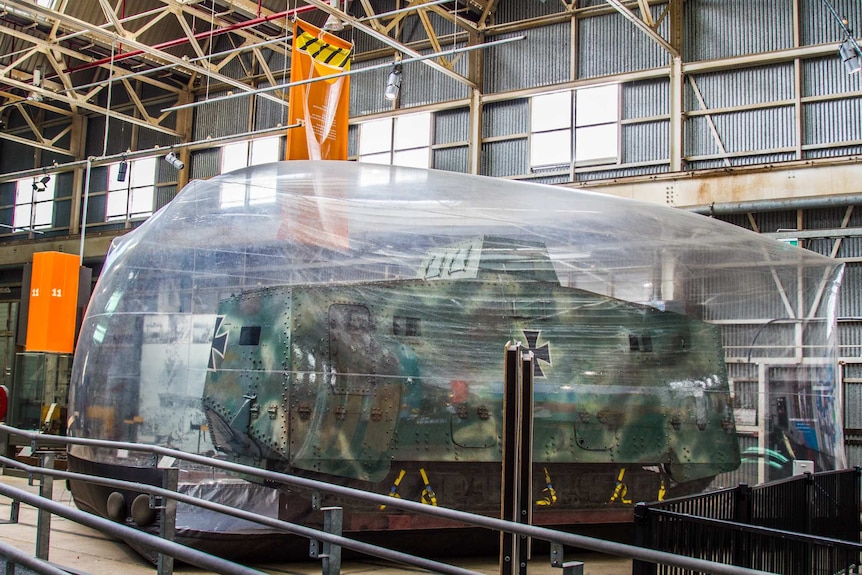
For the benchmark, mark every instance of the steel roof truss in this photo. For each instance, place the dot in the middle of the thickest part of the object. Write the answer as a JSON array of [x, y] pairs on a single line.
[[159, 54], [643, 26]]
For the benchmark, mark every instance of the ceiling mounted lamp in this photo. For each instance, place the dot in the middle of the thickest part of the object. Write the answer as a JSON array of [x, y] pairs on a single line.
[[35, 96], [333, 23], [173, 160], [850, 56], [393, 83], [41, 184], [121, 170]]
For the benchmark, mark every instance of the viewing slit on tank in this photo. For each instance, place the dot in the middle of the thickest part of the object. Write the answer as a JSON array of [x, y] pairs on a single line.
[[396, 386]]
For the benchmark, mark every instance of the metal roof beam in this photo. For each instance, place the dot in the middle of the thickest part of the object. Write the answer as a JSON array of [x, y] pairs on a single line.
[[119, 38], [389, 41], [644, 27]]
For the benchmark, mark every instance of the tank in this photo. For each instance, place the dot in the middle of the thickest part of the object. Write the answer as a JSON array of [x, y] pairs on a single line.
[[347, 322]]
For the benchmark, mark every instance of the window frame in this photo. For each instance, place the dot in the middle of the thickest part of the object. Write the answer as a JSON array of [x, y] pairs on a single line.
[[35, 201], [393, 132], [133, 186], [570, 127]]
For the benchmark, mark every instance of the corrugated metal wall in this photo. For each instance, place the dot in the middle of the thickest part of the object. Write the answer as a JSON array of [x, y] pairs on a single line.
[[610, 44], [541, 59]]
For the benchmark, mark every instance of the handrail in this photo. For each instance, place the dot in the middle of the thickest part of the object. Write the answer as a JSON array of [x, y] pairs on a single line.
[[791, 535], [18, 557], [543, 533], [287, 526], [187, 554]]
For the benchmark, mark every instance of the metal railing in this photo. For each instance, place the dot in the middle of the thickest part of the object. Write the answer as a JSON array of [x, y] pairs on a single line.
[[808, 524], [335, 541]]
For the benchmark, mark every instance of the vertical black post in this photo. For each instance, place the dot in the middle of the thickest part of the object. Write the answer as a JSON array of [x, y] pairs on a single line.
[[742, 513], [511, 427], [643, 536], [525, 448]]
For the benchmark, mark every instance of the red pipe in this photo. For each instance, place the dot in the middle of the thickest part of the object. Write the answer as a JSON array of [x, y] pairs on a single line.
[[199, 36]]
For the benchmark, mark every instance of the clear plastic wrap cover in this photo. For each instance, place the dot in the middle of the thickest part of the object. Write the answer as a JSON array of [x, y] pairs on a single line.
[[348, 321]]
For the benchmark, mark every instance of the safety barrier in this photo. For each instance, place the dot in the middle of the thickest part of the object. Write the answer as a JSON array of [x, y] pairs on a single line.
[[808, 524], [166, 497]]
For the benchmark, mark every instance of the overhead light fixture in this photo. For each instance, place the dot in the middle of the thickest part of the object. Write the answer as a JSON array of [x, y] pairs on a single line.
[[850, 56], [333, 23], [173, 160], [121, 171], [41, 184], [393, 83], [37, 83]]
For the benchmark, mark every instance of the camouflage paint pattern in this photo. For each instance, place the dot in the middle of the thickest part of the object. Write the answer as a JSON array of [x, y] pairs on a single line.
[[358, 381]]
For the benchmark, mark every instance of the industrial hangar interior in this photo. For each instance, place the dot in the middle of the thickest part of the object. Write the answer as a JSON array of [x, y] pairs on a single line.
[[748, 113]]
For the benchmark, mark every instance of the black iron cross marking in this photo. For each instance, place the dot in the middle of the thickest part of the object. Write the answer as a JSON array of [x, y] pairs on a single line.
[[539, 353], [219, 344]]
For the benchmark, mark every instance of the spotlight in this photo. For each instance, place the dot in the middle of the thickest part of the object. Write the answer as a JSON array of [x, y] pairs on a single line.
[[850, 57], [40, 185], [173, 160], [333, 23], [393, 83], [121, 171]]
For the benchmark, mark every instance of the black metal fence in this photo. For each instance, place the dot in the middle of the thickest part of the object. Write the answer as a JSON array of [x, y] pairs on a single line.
[[804, 525]]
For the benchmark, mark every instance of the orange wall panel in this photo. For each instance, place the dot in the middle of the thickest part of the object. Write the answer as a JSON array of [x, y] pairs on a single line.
[[52, 315]]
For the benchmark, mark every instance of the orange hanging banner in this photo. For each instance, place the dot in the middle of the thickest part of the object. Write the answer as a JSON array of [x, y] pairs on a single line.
[[53, 303], [322, 107]]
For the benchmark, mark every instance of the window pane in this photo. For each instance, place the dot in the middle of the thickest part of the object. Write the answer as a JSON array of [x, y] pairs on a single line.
[[551, 111], [232, 195], [261, 195], [113, 184], [44, 215], [376, 158], [551, 148], [21, 218], [375, 136], [412, 158], [142, 201], [265, 150], [234, 156], [45, 195], [596, 143], [598, 105], [143, 173], [413, 131], [24, 192], [116, 205]]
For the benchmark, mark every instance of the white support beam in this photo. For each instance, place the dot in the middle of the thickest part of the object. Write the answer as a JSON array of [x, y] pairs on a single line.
[[115, 37], [390, 41], [643, 27]]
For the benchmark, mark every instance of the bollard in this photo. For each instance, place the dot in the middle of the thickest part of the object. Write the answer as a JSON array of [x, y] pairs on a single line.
[[328, 553], [167, 525], [43, 521]]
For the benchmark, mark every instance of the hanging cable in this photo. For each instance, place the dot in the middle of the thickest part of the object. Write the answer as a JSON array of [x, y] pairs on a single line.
[[108, 103]]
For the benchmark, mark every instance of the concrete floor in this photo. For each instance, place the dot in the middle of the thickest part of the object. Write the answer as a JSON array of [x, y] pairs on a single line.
[[91, 552]]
